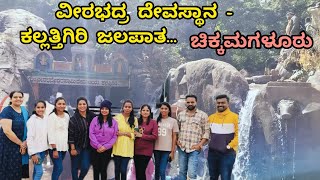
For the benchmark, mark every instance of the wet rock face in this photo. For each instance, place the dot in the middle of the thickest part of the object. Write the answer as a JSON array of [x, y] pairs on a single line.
[[284, 131], [207, 78], [13, 54], [287, 109], [315, 80]]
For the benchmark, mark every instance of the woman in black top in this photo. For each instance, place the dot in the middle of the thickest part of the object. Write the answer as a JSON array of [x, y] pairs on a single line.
[[78, 139]]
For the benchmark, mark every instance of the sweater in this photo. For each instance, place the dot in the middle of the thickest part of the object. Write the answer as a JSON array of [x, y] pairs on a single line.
[[102, 136], [224, 131], [78, 131], [124, 145], [144, 145], [37, 137]]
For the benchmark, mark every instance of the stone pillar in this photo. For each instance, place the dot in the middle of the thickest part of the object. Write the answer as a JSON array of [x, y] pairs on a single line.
[[35, 88], [87, 50]]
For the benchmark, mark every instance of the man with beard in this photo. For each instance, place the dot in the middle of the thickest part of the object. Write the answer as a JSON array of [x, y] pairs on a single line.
[[223, 143], [194, 133]]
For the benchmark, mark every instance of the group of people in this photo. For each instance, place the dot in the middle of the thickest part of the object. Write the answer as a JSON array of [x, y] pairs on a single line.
[[95, 140]]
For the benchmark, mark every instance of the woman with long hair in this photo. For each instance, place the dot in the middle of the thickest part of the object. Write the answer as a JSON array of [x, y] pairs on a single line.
[[58, 136], [103, 134], [78, 139], [146, 135], [165, 145], [37, 138], [122, 150], [11, 138]]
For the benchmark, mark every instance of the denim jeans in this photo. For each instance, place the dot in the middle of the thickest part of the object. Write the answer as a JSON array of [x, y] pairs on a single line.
[[120, 167], [161, 162], [57, 164], [188, 164], [82, 161], [37, 168], [221, 164]]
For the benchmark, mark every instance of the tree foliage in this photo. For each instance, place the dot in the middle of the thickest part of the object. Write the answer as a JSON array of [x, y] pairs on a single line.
[[249, 16]]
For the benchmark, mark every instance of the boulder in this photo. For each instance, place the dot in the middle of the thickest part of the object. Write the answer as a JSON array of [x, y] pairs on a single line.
[[207, 78], [261, 79], [244, 73], [299, 76], [282, 72], [315, 16], [13, 54], [315, 80]]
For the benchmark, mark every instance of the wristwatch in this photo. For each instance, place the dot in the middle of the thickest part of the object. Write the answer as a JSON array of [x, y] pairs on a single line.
[[54, 149]]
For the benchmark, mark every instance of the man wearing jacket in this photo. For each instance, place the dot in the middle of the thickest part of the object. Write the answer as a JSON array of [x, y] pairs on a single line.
[[223, 143]]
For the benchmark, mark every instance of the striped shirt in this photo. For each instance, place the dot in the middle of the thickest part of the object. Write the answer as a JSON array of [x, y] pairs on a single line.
[[224, 131], [192, 129], [78, 131]]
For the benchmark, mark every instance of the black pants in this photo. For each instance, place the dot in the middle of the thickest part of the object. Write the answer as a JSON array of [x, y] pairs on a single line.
[[141, 162], [120, 166], [100, 163], [25, 171]]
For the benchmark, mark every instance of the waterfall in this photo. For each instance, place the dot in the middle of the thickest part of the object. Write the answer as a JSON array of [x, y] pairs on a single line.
[[154, 99], [281, 155], [294, 150], [284, 158], [240, 172]]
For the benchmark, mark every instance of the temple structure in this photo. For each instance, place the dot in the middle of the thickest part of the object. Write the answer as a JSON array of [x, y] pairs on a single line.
[[83, 75]]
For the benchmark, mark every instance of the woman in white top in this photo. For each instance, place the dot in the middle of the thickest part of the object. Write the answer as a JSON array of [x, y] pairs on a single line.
[[37, 138], [58, 136]]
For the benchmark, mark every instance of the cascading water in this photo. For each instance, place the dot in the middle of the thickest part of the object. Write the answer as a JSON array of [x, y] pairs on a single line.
[[294, 150], [285, 154], [282, 137], [153, 100], [243, 157], [281, 158]]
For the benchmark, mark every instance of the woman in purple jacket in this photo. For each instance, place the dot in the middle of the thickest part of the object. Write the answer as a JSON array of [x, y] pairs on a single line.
[[102, 134]]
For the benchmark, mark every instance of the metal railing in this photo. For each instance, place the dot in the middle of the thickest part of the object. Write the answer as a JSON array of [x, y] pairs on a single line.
[[115, 110]]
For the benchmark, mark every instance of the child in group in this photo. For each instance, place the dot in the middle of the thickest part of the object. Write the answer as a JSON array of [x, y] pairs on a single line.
[[37, 138]]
